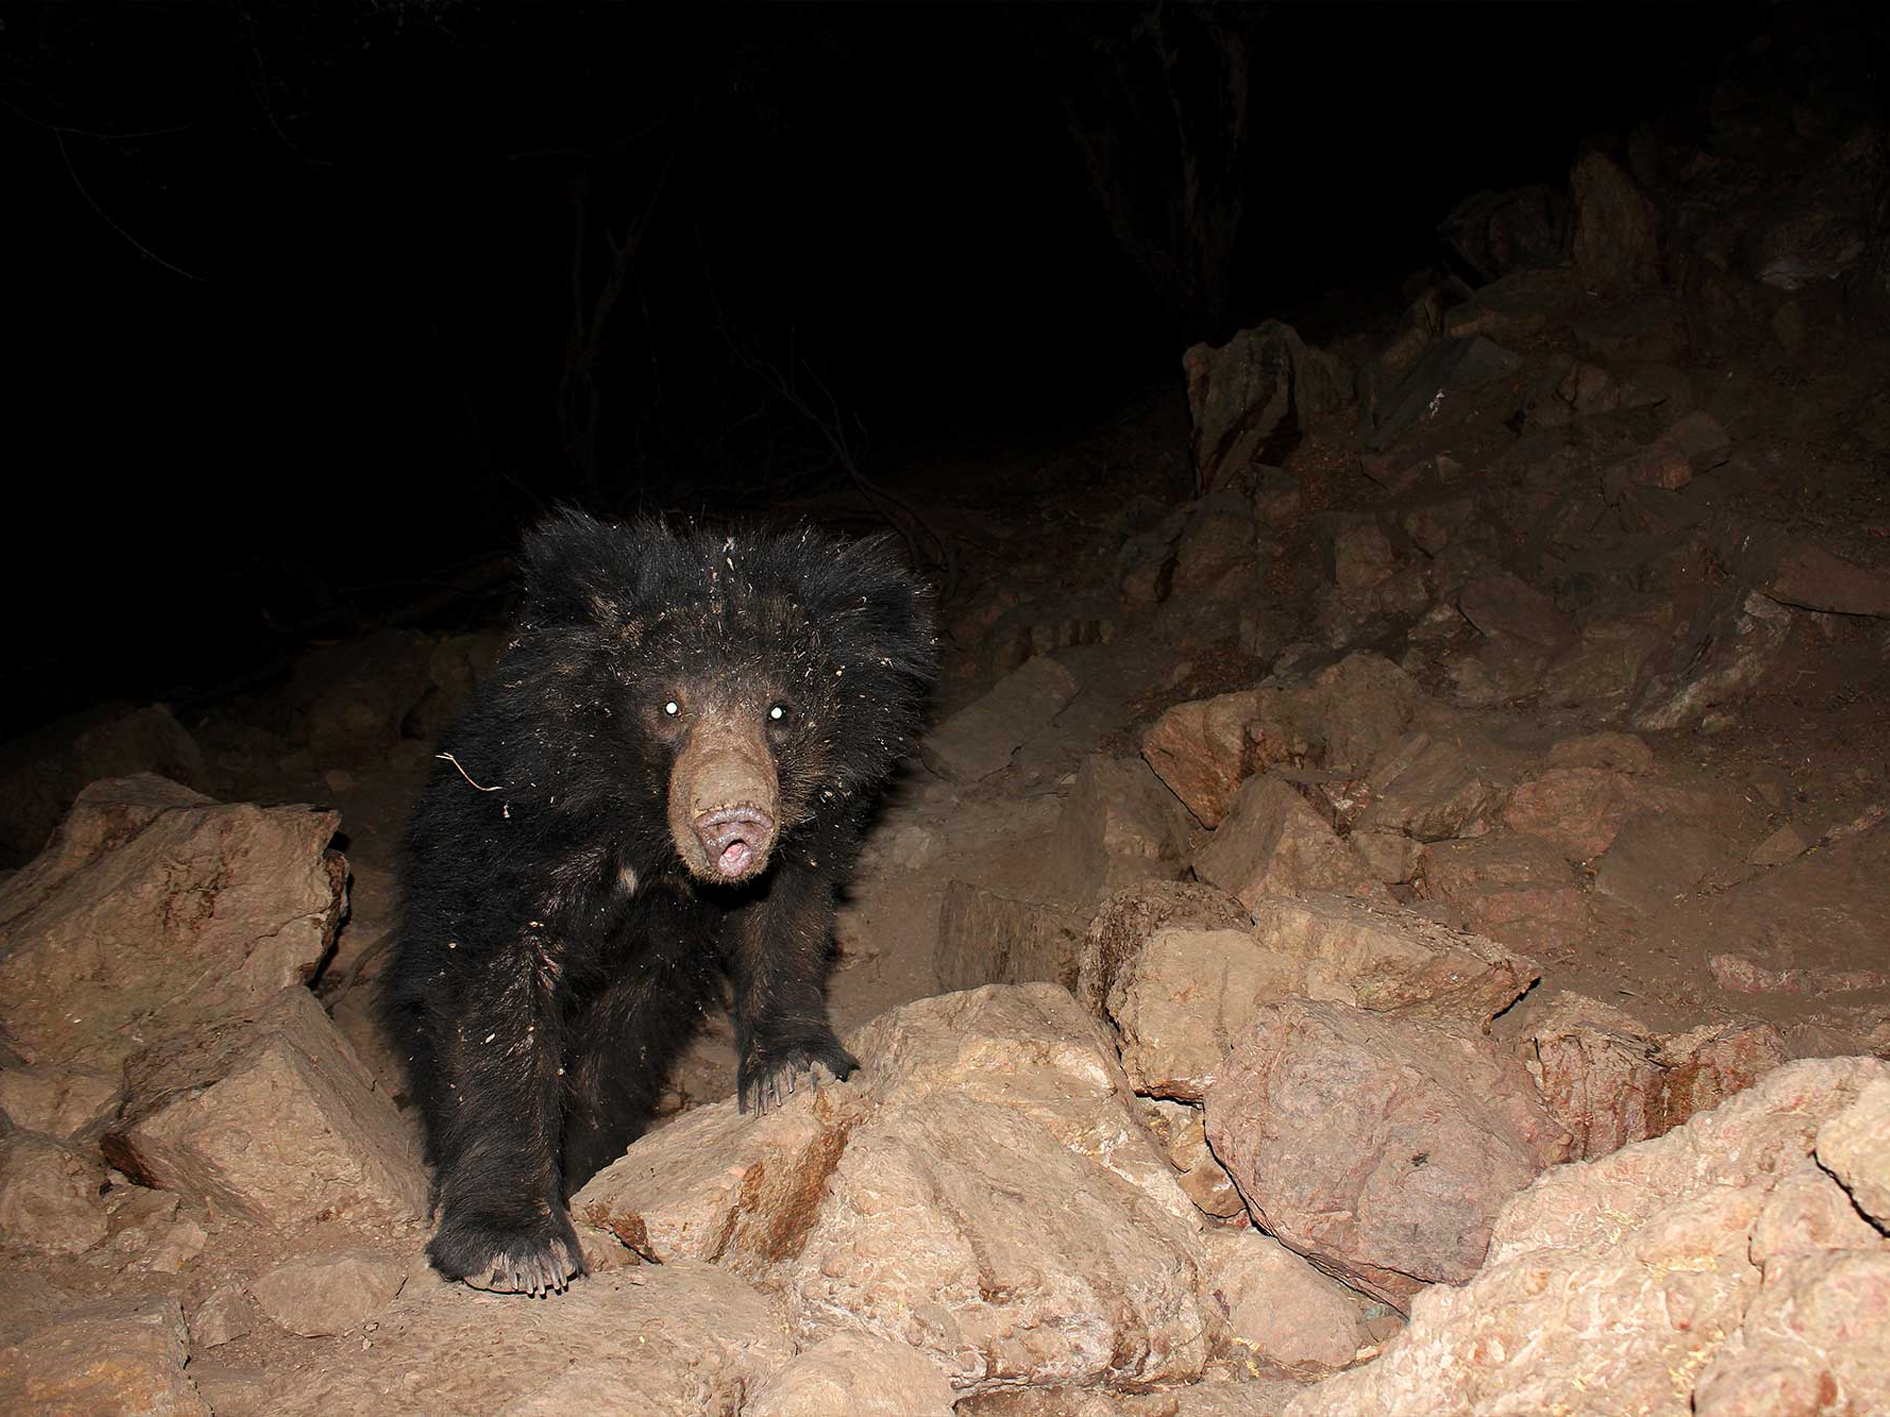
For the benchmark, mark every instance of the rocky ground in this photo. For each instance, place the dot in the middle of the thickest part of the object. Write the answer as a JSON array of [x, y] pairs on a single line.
[[1391, 917]]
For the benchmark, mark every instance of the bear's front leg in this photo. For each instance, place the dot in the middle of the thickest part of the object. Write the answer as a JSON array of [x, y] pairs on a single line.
[[778, 965], [498, 1118]]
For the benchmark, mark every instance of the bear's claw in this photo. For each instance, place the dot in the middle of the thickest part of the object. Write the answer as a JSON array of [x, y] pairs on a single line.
[[761, 1088], [538, 1274]]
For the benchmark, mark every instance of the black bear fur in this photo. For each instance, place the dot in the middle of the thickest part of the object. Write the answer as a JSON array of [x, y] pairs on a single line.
[[576, 887]]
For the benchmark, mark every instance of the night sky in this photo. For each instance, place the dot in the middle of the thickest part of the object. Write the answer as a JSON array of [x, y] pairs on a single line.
[[291, 287]]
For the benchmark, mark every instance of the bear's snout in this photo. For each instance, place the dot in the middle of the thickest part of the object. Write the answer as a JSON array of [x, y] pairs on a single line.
[[735, 839], [722, 801]]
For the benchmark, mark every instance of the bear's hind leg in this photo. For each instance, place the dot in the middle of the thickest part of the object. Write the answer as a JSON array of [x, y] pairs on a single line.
[[502, 1221]]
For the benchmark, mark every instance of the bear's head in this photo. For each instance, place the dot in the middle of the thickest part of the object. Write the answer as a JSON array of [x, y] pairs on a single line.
[[731, 685]]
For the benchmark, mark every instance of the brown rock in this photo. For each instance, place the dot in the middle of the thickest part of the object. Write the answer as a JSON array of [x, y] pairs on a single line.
[[1721, 659], [1509, 606], [979, 739], [1808, 1210], [1515, 235], [1516, 889], [1361, 707], [153, 900], [1432, 524], [62, 1102], [1182, 1132], [1442, 794], [854, 1375], [1380, 1147], [1180, 1001], [1052, 1242], [1854, 1146], [1598, 1072], [316, 1295], [1387, 959], [1812, 578], [353, 698], [1783, 845], [1623, 752], [1119, 824], [1602, 669], [49, 1195], [1625, 1276], [1272, 844], [120, 1356], [717, 1186], [271, 1118], [1218, 538], [1658, 857], [1816, 1338], [1361, 555], [1275, 1308], [227, 1314], [987, 938], [1582, 810], [1657, 466], [1738, 974], [42, 773], [1617, 228], [1127, 919], [1239, 394], [674, 1340], [1202, 751], [1708, 1064]]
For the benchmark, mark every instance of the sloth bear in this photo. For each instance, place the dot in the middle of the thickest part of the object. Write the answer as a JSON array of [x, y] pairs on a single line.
[[659, 787]]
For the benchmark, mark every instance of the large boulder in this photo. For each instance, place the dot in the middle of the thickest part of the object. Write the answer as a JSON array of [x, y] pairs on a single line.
[[1715, 1269], [1381, 1147], [155, 905]]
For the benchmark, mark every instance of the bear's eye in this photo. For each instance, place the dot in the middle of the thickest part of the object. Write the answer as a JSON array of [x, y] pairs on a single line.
[[672, 708], [777, 713]]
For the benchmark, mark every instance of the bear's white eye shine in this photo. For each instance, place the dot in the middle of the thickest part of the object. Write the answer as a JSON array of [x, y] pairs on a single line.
[[777, 713], [672, 708]]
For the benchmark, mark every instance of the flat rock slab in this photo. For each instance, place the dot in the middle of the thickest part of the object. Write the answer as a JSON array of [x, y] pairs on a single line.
[[681, 1338], [316, 1295], [1179, 1001], [979, 739], [1388, 959], [1657, 858], [1808, 576], [153, 900], [270, 1118], [120, 1356]]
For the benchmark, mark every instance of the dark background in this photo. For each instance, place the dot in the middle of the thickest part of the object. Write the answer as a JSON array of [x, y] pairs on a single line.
[[291, 289]]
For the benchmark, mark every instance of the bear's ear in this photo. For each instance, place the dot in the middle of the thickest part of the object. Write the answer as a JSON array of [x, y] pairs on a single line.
[[887, 608], [571, 572]]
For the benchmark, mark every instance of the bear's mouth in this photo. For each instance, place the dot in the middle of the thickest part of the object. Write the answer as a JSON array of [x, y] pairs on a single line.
[[735, 840]]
